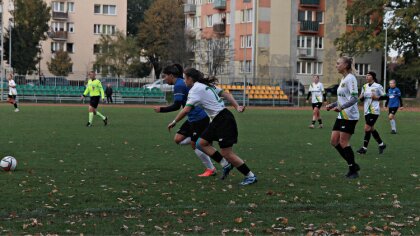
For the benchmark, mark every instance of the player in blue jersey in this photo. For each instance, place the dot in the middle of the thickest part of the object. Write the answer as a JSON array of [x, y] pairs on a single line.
[[197, 120], [394, 102]]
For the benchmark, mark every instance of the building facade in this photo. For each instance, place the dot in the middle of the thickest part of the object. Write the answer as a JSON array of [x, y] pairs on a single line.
[[270, 40], [76, 27]]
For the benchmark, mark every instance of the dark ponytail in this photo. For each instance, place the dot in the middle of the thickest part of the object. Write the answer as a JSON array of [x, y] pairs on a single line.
[[198, 76]]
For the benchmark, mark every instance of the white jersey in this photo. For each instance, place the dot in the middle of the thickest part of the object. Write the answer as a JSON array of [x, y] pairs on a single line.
[[206, 97], [372, 106], [346, 90], [317, 92], [12, 90]]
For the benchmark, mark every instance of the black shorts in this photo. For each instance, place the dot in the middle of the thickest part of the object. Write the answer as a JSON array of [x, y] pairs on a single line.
[[194, 129], [222, 129], [393, 110], [12, 96], [185, 129], [371, 119], [317, 104], [346, 126], [94, 101], [198, 128]]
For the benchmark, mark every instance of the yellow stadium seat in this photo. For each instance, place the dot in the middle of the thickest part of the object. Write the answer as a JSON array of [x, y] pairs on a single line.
[[226, 91], [277, 88], [251, 96], [228, 87]]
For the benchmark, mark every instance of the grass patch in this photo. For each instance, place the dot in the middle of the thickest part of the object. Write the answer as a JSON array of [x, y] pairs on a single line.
[[130, 178]]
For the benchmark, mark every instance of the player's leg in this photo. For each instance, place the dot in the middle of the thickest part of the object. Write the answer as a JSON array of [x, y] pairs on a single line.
[[91, 112], [312, 125], [242, 167], [321, 125], [96, 112], [391, 117], [348, 152], [197, 128], [376, 136]]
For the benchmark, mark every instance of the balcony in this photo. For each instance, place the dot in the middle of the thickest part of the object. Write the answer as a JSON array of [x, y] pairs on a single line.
[[307, 53], [309, 3], [58, 35], [190, 9], [60, 15], [219, 28], [309, 27], [219, 4]]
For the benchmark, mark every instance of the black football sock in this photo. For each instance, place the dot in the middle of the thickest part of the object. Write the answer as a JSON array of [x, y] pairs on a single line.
[[313, 122], [341, 151], [243, 169], [217, 157], [320, 121], [15, 105], [367, 139], [375, 135], [350, 157]]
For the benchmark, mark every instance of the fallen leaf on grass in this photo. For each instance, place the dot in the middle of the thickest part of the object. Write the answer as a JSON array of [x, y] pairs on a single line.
[[283, 220], [239, 220], [396, 224]]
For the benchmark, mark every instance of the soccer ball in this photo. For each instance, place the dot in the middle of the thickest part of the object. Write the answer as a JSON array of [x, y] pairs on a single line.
[[8, 163]]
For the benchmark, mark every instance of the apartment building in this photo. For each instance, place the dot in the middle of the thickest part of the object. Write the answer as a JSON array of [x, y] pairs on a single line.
[[270, 40], [76, 27]]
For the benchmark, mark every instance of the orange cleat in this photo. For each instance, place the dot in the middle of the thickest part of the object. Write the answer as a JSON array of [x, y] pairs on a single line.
[[208, 173]]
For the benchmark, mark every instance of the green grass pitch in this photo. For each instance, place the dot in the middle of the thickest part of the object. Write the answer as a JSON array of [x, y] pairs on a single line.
[[130, 177]]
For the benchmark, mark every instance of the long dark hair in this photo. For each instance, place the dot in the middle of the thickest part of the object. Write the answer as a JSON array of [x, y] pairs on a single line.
[[198, 76]]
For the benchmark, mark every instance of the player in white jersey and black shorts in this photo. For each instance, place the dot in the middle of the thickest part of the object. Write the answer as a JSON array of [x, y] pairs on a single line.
[[12, 92], [348, 115], [317, 95], [222, 127], [370, 95]]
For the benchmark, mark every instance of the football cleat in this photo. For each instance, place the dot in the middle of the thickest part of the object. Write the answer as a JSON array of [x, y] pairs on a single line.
[[88, 124], [208, 173], [106, 120], [226, 170], [382, 148], [362, 150], [249, 180], [393, 132], [311, 126], [17, 110], [353, 172], [321, 126]]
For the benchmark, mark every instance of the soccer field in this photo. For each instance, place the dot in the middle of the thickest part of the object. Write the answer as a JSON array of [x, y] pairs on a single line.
[[130, 178]]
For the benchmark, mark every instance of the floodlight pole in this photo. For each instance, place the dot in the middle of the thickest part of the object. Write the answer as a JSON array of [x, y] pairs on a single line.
[[1, 47]]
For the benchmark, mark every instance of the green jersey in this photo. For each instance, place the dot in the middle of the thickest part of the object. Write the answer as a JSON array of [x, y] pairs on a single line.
[[94, 88]]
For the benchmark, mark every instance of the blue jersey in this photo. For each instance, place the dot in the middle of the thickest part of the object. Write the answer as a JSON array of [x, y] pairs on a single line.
[[181, 94], [394, 95]]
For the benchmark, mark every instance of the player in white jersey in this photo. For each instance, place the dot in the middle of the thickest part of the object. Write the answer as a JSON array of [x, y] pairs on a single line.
[[222, 127], [12, 92], [348, 115], [317, 95], [370, 94]]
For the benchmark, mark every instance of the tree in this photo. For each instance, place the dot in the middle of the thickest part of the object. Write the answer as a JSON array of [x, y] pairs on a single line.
[[211, 54], [61, 64], [161, 34], [30, 25], [135, 14], [119, 55], [368, 33]]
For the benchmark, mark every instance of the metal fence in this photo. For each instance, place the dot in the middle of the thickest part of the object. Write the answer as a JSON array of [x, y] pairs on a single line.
[[59, 89]]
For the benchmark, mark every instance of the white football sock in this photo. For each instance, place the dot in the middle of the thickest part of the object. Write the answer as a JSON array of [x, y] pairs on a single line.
[[186, 141], [224, 163], [204, 158], [393, 125], [250, 174]]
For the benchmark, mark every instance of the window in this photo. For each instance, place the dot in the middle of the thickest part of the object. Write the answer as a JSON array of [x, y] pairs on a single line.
[[109, 10], [97, 9], [320, 16], [210, 1], [70, 27], [362, 69], [70, 7], [319, 43], [209, 21], [318, 68], [246, 41], [56, 46], [96, 48], [70, 47], [58, 6], [97, 29], [108, 29], [57, 26], [246, 67], [246, 15]]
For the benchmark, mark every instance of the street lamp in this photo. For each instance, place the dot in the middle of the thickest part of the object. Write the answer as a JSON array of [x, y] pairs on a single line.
[[386, 42], [10, 41]]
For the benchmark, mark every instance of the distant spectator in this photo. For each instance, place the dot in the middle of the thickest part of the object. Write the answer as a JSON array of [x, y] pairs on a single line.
[[108, 93], [41, 79]]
